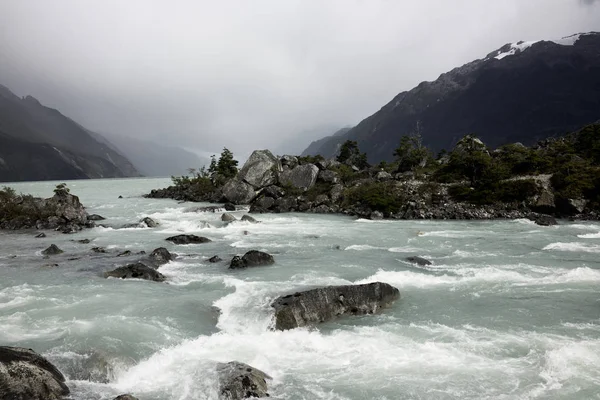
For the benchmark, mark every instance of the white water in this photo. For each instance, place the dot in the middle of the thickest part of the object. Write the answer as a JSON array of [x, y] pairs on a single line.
[[507, 310]]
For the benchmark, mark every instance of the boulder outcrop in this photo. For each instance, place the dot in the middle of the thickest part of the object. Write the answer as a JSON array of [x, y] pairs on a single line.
[[227, 217], [241, 381], [238, 192], [302, 177], [260, 169], [323, 304], [25, 375], [160, 256]]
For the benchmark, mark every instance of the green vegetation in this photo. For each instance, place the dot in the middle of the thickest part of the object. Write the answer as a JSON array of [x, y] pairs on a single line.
[[25, 206], [351, 155], [412, 154], [378, 196], [204, 181]]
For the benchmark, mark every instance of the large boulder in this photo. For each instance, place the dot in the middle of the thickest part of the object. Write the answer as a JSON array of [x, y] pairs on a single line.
[[290, 161], [149, 222], [260, 170], [545, 220], [238, 192], [252, 258], [241, 381], [328, 176], [136, 271], [323, 304], [25, 375], [187, 239], [302, 177]]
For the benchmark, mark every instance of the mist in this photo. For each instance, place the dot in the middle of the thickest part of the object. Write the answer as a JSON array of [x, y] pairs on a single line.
[[249, 75]]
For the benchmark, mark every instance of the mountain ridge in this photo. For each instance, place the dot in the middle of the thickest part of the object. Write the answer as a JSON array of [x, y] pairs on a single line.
[[524, 91]]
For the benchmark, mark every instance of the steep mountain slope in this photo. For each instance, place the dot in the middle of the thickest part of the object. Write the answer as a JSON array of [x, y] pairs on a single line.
[[328, 144], [522, 92], [29, 128], [153, 159]]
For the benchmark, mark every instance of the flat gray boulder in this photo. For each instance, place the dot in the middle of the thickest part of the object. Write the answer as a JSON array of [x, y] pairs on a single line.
[[301, 177], [323, 304], [25, 375], [238, 192], [136, 271], [241, 381], [187, 239], [260, 170]]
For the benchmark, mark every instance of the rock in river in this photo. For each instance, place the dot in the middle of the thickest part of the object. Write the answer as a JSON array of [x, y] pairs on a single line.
[[137, 271], [52, 250], [418, 260], [252, 258], [187, 239], [240, 381], [160, 256], [25, 375], [323, 304]]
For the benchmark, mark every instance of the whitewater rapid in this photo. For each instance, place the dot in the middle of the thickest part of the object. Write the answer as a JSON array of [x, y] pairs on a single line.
[[507, 310]]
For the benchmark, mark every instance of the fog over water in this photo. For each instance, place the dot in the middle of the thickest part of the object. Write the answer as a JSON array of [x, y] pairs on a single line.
[[254, 74]]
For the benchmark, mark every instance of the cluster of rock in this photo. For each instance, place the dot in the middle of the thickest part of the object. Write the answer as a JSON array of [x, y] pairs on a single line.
[[26, 375], [287, 184], [62, 212]]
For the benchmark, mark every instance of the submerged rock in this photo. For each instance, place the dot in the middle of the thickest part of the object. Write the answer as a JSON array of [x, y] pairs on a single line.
[[229, 207], [160, 256], [40, 235], [250, 219], [215, 259], [95, 217], [545, 220], [83, 241], [52, 250], [226, 217], [149, 222], [98, 249], [187, 239], [124, 253], [137, 271], [125, 397], [323, 304], [252, 258], [418, 260], [241, 381], [25, 375]]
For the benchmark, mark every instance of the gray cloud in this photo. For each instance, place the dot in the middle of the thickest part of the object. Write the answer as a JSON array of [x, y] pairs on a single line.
[[251, 74]]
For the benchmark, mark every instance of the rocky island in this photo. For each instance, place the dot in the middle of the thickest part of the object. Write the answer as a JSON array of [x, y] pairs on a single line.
[[558, 177]]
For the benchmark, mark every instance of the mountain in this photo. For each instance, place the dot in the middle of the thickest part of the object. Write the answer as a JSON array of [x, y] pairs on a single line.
[[329, 144], [153, 159], [39, 143], [294, 144], [522, 92]]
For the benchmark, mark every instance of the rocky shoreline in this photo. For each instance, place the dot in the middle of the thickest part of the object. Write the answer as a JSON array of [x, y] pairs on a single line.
[[268, 184]]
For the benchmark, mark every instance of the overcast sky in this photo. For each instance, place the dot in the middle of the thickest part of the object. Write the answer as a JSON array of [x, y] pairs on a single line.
[[251, 74]]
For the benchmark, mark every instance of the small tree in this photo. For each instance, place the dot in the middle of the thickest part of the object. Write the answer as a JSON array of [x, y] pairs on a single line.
[[411, 153], [351, 155], [212, 168], [227, 165]]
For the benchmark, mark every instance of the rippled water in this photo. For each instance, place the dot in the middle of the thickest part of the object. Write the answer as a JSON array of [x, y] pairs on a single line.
[[508, 310]]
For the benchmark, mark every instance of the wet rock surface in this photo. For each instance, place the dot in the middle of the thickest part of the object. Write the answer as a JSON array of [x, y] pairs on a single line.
[[25, 375], [187, 239], [323, 304], [241, 381], [136, 271], [252, 258]]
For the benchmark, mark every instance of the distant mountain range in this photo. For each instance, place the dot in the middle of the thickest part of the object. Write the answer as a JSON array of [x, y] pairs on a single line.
[[522, 92], [40, 143]]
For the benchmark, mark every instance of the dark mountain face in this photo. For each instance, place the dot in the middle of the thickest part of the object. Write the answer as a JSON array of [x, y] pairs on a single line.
[[329, 144], [522, 92], [35, 139]]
